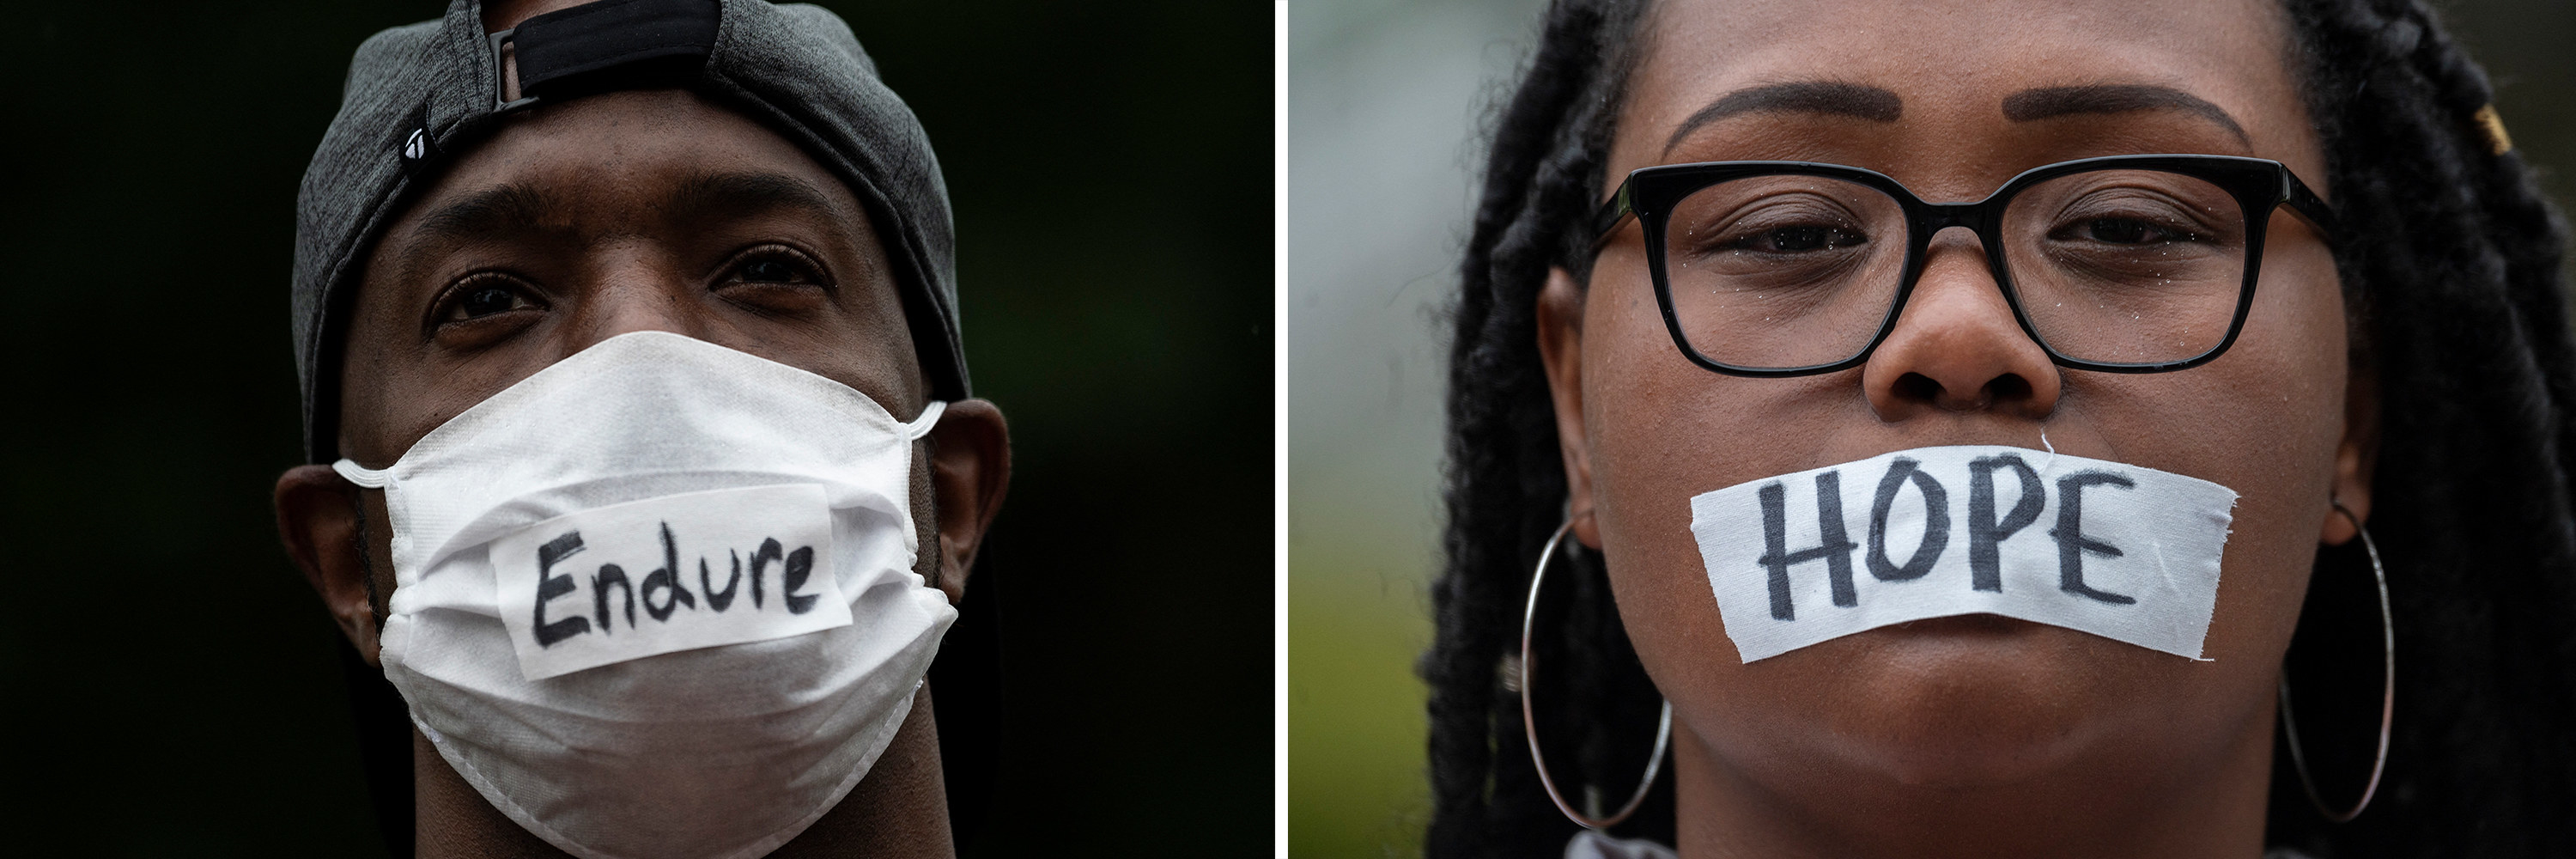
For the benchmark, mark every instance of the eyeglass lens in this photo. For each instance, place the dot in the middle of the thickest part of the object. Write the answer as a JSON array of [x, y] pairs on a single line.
[[2111, 266]]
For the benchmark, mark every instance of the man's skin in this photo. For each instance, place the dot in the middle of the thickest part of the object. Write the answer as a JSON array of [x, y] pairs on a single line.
[[583, 220]]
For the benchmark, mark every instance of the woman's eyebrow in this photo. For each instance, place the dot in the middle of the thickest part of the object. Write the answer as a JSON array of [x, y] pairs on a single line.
[[1833, 98], [2049, 102]]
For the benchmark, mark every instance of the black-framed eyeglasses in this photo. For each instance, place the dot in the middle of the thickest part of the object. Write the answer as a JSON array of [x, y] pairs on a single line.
[[2123, 264]]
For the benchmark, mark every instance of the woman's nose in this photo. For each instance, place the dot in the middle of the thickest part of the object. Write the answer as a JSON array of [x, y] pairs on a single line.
[[1956, 346]]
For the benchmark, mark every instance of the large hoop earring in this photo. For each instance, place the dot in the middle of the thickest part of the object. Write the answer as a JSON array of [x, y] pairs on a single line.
[[2387, 700], [1529, 724]]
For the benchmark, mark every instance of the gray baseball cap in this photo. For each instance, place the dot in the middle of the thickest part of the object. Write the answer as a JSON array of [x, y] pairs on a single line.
[[419, 94]]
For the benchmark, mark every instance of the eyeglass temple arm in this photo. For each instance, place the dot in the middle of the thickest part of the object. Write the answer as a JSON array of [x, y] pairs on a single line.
[[1611, 216], [2307, 205]]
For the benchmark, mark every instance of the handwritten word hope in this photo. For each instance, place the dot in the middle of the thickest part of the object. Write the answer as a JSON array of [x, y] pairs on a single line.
[[1986, 531], [2118, 550]]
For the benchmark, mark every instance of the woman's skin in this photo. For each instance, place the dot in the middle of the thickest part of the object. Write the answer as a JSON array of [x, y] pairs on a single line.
[[615, 213], [1978, 735]]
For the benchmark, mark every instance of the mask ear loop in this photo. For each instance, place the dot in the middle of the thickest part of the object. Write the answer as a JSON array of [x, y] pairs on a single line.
[[920, 426], [913, 432], [363, 476]]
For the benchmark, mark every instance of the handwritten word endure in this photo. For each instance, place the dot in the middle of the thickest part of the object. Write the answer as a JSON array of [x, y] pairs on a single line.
[[796, 567], [666, 574]]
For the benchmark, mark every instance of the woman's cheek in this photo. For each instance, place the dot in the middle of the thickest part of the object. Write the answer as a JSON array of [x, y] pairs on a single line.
[[1661, 430], [2271, 425]]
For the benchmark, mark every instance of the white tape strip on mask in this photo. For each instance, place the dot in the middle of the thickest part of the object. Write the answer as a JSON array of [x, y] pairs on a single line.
[[569, 587], [2116, 550]]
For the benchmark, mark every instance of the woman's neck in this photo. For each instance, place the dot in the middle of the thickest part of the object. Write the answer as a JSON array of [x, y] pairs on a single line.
[[899, 811], [2093, 812]]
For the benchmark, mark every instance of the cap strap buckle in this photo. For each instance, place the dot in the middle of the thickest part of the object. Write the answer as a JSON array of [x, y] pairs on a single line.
[[602, 46]]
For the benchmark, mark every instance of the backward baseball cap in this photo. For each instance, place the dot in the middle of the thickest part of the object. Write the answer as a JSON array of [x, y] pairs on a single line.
[[418, 95]]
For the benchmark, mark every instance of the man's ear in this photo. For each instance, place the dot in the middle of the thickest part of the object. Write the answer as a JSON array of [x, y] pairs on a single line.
[[2355, 457], [970, 471], [317, 516], [1560, 347]]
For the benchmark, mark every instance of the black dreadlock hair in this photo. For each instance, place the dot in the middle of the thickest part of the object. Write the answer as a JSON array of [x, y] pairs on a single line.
[[2450, 260]]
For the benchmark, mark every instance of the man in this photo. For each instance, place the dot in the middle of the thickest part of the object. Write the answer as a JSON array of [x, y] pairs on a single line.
[[511, 202]]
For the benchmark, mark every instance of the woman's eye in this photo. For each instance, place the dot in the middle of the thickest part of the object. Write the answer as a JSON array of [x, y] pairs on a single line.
[[1800, 239], [2122, 231], [2127, 229]]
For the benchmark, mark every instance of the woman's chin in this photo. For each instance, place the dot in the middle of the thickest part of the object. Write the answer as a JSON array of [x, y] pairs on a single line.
[[1981, 701]]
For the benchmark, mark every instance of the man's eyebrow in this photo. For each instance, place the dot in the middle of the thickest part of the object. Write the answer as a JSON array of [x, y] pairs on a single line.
[[2049, 102], [718, 195], [1833, 98], [515, 208], [499, 210]]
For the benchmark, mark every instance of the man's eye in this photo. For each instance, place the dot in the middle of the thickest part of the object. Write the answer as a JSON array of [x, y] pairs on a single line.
[[769, 271], [774, 278], [774, 265], [486, 301], [484, 296]]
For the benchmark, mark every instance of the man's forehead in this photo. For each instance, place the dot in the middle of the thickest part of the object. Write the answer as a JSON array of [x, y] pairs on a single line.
[[538, 203], [624, 163]]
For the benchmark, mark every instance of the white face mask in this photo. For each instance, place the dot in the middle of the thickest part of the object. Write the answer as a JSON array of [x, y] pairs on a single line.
[[657, 599]]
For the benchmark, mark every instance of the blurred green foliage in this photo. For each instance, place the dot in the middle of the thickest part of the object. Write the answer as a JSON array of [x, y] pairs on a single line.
[[1384, 100]]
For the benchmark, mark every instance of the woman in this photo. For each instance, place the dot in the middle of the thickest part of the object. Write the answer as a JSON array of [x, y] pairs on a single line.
[[2398, 378]]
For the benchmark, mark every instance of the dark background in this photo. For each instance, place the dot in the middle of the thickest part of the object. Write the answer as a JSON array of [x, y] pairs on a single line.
[[169, 685]]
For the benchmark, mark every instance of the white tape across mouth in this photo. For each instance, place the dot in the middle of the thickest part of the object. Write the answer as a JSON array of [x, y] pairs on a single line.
[[2120, 551]]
